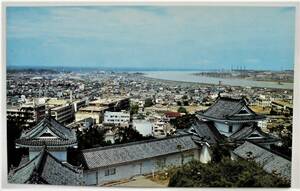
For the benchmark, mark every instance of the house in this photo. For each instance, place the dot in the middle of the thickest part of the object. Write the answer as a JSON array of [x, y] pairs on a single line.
[[111, 163], [44, 168], [271, 162], [48, 132]]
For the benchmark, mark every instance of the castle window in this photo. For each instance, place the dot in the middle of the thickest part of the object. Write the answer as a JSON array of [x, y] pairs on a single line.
[[230, 129]]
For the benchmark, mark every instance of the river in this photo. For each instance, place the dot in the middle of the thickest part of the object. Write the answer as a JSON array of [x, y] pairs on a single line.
[[190, 77]]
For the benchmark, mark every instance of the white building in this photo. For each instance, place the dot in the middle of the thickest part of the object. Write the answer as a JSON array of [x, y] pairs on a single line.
[[116, 118], [144, 127], [159, 129]]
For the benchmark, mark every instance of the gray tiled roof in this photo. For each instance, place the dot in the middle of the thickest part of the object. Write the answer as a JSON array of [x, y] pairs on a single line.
[[270, 162], [225, 108], [206, 132], [242, 132], [47, 169], [65, 135], [48, 142], [245, 132], [112, 155]]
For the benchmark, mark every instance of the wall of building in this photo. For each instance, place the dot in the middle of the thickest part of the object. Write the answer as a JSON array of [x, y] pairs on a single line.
[[60, 155], [121, 118], [224, 128], [63, 114], [83, 115], [143, 127], [97, 177]]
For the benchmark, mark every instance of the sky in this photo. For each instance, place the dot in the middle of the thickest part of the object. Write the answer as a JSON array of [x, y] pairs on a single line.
[[164, 37]]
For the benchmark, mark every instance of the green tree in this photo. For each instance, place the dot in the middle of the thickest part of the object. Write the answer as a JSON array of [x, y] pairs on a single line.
[[148, 102], [220, 151], [126, 135], [179, 103], [184, 97], [92, 137], [134, 109], [226, 173], [185, 103], [184, 121], [182, 110]]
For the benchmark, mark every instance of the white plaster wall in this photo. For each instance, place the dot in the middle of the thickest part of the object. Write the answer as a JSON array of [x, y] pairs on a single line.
[[224, 128], [60, 155], [135, 168], [89, 178]]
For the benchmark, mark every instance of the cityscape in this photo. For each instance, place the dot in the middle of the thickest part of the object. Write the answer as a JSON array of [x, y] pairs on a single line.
[[113, 124]]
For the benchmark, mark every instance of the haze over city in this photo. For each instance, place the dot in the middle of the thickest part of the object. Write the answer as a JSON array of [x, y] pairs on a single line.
[[160, 37]]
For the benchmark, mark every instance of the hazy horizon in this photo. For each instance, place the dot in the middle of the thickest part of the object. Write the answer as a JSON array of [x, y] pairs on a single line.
[[157, 37]]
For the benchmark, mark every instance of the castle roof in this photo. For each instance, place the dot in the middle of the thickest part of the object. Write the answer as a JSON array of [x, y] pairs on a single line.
[[231, 110], [47, 132], [45, 169], [205, 132]]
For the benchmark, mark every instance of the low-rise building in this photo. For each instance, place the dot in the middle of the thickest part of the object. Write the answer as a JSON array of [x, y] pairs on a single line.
[[29, 113], [117, 118], [82, 124], [79, 104], [113, 104], [95, 112], [63, 114]]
